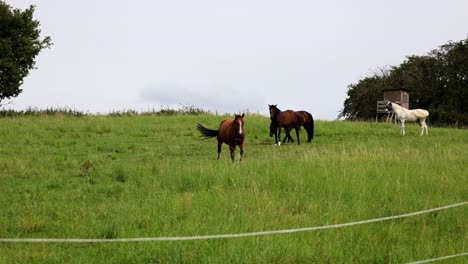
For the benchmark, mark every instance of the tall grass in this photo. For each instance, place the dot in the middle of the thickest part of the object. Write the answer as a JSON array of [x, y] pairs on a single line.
[[69, 111], [32, 111], [148, 176]]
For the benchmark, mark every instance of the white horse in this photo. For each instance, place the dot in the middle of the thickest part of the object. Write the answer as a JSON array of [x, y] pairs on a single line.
[[409, 115]]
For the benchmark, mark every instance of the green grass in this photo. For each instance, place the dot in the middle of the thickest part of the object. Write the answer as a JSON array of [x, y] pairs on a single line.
[[152, 176]]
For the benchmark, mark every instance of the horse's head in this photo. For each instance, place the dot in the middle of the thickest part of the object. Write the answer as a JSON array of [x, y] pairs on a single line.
[[273, 110], [239, 124], [389, 106]]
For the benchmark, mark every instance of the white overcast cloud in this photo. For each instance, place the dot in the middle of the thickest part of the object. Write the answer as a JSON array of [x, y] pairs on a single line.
[[226, 56]]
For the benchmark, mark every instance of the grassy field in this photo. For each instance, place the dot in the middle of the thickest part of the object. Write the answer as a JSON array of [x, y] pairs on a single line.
[[153, 176]]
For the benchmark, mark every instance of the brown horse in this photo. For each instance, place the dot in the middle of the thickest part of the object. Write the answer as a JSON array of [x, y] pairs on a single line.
[[230, 132], [290, 119], [283, 119]]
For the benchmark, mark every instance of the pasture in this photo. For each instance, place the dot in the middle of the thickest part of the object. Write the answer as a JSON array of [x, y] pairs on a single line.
[[154, 176]]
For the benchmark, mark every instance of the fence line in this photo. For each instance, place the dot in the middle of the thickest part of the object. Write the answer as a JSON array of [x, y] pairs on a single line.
[[221, 236], [441, 258]]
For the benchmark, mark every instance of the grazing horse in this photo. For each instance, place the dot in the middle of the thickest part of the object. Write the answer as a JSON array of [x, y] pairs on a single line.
[[409, 115], [283, 119], [230, 132], [290, 119], [305, 119]]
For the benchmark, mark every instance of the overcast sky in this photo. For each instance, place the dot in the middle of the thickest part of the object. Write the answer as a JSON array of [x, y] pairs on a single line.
[[225, 56]]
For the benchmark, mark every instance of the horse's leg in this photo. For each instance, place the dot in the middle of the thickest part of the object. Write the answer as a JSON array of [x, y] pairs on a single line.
[[288, 135], [276, 136], [402, 127], [219, 147], [279, 136], [423, 126], [241, 146], [286, 131], [297, 135], [290, 139], [232, 148]]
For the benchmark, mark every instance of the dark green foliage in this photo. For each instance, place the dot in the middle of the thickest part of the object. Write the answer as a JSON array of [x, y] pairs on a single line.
[[437, 82], [20, 43]]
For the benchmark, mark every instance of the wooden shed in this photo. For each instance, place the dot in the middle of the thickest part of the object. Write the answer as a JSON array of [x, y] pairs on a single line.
[[399, 96]]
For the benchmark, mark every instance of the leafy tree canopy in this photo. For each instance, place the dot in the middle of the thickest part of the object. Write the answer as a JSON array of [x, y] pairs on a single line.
[[437, 82], [20, 43]]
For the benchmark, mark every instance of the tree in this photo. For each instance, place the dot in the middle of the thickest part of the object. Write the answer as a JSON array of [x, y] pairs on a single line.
[[452, 106], [20, 43], [418, 74]]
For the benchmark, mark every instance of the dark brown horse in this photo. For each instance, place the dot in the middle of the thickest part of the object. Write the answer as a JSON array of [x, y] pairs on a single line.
[[288, 120], [283, 119], [230, 132]]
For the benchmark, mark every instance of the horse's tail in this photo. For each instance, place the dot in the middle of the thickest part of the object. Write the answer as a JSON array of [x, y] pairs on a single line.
[[206, 132], [309, 125], [310, 132]]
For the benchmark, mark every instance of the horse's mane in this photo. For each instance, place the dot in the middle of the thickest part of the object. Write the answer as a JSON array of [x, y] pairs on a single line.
[[398, 106]]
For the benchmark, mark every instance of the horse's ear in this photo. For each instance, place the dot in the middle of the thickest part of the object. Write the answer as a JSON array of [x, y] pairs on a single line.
[[242, 115]]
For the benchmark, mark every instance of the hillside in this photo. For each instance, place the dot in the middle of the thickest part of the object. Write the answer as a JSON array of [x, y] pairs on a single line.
[[154, 176]]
